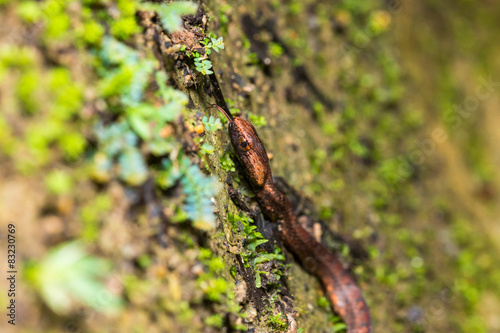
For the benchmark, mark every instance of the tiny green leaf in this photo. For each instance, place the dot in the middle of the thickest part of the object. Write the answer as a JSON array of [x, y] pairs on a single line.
[[252, 246]]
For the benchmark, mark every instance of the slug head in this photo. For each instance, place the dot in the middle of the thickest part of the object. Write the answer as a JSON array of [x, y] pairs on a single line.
[[249, 149]]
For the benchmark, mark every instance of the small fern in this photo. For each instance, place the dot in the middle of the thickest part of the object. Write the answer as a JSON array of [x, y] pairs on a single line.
[[253, 257], [199, 190], [211, 124]]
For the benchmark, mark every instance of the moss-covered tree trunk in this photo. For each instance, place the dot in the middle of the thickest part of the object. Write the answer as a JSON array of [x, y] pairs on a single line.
[[114, 166]]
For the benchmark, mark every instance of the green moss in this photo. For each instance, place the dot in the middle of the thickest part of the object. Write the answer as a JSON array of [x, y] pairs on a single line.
[[59, 182], [216, 288], [125, 27], [72, 145], [29, 11], [7, 142], [223, 17], [26, 91], [92, 32], [227, 163], [257, 121], [185, 314], [21, 57], [275, 49], [278, 322], [216, 265], [215, 320], [68, 95], [115, 83], [92, 214], [127, 8], [144, 260], [57, 24], [323, 303]]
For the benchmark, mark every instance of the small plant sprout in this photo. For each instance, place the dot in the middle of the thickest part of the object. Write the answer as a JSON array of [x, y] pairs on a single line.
[[227, 163], [211, 124], [213, 43], [201, 62], [207, 148], [203, 66]]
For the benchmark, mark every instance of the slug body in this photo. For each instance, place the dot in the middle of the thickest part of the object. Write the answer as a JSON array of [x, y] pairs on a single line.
[[343, 293]]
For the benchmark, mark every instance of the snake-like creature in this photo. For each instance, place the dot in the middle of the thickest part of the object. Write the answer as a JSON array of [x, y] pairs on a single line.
[[343, 293]]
